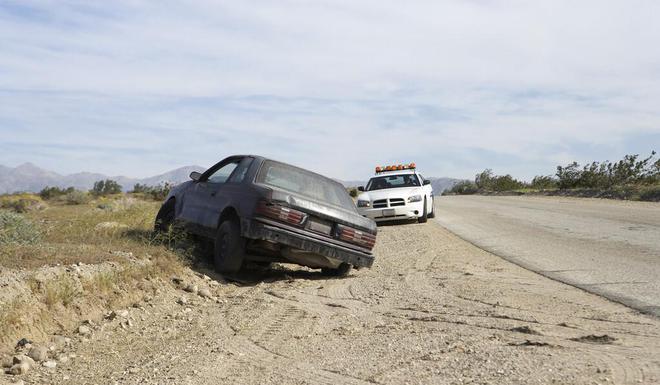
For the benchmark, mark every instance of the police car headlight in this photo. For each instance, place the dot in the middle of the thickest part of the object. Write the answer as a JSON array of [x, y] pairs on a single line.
[[414, 198], [363, 204]]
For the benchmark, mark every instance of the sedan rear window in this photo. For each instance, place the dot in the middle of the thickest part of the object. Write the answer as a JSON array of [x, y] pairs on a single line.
[[305, 183]]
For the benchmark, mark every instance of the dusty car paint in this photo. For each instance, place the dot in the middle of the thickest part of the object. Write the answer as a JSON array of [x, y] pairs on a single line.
[[202, 206]]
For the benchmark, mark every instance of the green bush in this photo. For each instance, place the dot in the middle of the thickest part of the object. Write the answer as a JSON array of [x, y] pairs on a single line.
[[462, 188], [353, 193], [53, 192], [602, 175], [543, 182], [76, 197], [16, 229], [22, 203], [487, 181], [106, 187]]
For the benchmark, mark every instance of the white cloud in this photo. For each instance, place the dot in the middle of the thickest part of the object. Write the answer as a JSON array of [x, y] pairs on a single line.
[[337, 86]]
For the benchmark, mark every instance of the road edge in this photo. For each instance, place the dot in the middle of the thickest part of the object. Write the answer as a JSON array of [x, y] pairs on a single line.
[[631, 303]]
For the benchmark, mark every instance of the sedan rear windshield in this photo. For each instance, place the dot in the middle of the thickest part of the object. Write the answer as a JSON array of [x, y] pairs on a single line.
[[392, 181], [305, 183]]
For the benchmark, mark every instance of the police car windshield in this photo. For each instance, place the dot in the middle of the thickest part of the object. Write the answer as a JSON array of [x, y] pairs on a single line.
[[392, 181]]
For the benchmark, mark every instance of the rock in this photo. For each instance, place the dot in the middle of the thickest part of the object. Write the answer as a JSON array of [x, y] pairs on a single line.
[[191, 288], [23, 359], [182, 301], [60, 341], [205, 293], [19, 369], [22, 342], [50, 364], [125, 324], [38, 353], [84, 330], [6, 362], [117, 313], [63, 358]]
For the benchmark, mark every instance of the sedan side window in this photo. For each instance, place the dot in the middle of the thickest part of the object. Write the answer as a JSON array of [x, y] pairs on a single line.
[[220, 175], [240, 171]]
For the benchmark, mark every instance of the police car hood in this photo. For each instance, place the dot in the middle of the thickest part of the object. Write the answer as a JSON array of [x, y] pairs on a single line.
[[398, 192]]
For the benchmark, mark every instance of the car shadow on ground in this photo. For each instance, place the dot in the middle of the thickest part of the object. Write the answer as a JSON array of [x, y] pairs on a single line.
[[199, 257], [251, 274], [397, 223]]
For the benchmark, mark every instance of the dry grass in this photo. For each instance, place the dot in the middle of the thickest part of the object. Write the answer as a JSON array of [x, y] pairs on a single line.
[[51, 302], [72, 234]]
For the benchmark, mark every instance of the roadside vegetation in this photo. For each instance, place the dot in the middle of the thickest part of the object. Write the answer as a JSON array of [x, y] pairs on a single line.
[[631, 178], [68, 255]]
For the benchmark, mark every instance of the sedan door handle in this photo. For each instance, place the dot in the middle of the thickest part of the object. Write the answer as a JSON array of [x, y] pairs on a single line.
[[213, 193]]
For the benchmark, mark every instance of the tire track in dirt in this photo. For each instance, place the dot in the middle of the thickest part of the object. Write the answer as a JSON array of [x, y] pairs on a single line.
[[288, 318]]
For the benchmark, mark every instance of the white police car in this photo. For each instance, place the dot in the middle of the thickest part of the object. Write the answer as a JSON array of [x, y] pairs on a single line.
[[396, 193]]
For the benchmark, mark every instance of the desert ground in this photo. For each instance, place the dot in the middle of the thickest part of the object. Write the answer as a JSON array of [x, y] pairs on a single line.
[[434, 309]]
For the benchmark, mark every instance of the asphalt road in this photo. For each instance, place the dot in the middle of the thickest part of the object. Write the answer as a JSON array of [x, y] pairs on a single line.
[[610, 248]]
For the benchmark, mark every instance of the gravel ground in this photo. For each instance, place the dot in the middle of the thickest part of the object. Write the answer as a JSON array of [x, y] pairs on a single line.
[[433, 309]]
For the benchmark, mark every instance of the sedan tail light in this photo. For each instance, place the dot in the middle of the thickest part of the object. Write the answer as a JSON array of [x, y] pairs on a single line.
[[355, 236], [281, 213]]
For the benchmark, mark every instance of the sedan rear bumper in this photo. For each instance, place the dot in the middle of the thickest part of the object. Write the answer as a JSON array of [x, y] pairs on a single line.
[[255, 229]]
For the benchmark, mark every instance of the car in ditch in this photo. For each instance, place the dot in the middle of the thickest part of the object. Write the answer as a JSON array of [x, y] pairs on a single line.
[[397, 192], [261, 210]]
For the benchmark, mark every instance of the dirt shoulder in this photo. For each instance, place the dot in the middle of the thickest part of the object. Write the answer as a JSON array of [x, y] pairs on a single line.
[[433, 309]]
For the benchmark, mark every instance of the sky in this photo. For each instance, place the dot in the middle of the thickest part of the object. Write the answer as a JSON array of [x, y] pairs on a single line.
[[137, 88]]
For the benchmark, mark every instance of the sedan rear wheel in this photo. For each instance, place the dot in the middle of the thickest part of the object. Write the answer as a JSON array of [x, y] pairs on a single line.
[[229, 250]]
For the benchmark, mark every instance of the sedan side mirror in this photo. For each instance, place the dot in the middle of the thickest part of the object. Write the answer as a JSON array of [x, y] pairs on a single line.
[[361, 188], [195, 176], [426, 181]]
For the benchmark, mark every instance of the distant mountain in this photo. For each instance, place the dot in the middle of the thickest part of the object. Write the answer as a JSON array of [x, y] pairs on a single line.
[[28, 177], [442, 184], [352, 183]]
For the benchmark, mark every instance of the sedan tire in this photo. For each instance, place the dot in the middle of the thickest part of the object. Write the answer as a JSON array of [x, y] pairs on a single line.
[[229, 250], [423, 219]]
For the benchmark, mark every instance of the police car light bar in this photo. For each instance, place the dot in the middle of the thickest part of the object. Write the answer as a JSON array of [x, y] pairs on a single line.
[[409, 166]]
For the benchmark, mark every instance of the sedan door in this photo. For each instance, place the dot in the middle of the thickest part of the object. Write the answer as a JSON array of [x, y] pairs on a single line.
[[206, 199]]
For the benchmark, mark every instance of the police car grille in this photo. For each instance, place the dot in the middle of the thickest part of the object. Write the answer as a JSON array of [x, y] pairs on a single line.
[[397, 202], [380, 203]]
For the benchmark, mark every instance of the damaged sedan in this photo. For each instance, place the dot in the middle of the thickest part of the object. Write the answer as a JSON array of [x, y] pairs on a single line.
[[260, 210]]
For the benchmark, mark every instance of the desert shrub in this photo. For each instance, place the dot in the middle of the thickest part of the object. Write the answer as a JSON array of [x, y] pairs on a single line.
[[76, 197], [123, 203], [463, 188], [160, 192], [54, 192], [157, 193], [139, 188], [602, 175], [61, 290], [353, 193], [106, 187], [16, 229], [21, 203], [543, 182], [487, 181]]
